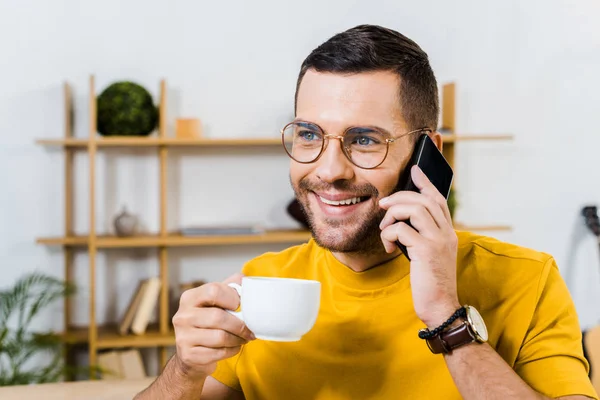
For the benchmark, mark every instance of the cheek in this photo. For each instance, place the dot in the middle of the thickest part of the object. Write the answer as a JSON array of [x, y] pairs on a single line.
[[298, 172], [384, 180]]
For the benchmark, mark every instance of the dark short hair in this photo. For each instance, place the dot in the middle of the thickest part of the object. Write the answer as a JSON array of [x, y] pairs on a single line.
[[367, 48]]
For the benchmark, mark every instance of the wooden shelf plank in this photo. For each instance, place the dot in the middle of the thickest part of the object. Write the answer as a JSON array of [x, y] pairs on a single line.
[[63, 142], [451, 138], [240, 142], [154, 141], [173, 240], [149, 339], [223, 142], [109, 337], [75, 336], [475, 228], [63, 241]]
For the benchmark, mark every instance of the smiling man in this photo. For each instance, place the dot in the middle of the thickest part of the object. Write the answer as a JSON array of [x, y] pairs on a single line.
[[468, 317]]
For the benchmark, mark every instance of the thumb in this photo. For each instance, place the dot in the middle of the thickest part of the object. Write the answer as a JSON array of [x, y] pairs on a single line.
[[235, 278], [419, 178]]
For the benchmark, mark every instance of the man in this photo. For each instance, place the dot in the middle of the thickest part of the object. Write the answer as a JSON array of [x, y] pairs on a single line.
[[388, 328]]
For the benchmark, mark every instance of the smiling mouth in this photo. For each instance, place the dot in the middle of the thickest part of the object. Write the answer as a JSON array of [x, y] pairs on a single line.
[[343, 202]]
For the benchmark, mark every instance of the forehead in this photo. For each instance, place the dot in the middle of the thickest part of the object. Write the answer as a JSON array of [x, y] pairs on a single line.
[[340, 100]]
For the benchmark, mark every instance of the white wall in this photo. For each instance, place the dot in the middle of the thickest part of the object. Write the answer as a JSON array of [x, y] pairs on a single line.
[[527, 68]]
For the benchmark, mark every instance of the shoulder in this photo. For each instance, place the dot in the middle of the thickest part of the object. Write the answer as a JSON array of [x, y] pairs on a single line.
[[471, 244], [516, 289], [479, 251], [291, 262], [503, 269]]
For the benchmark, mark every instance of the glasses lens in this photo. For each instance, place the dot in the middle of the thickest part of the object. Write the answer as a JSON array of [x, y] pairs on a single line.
[[303, 141], [366, 148]]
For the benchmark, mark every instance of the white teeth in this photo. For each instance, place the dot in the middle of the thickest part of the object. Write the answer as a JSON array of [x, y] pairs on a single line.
[[352, 200]]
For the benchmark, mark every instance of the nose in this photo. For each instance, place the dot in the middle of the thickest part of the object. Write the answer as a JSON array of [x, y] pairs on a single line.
[[333, 165]]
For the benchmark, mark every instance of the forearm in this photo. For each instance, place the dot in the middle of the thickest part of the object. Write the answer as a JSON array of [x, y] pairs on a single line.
[[173, 384], [479, 372]]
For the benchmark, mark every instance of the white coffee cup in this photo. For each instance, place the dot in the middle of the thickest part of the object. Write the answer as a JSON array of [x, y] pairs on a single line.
[[278, 309]]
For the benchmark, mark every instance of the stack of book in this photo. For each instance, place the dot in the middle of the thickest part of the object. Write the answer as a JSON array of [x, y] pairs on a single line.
[[142, 304], [124, 364]]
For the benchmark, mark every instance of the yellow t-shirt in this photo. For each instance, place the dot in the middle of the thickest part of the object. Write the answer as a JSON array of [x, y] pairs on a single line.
[[364, 344]]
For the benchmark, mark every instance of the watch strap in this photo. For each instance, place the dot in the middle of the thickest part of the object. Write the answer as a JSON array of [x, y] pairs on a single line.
[[451, 339]]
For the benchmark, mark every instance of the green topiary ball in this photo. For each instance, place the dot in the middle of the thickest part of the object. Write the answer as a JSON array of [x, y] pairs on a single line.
[[126, 109]]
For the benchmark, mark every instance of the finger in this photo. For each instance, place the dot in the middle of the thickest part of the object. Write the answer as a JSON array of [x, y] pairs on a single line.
[[216, 338], [418, 215], [428, 189], [410, 197], [214, 294], [216, 318], [402, 232]]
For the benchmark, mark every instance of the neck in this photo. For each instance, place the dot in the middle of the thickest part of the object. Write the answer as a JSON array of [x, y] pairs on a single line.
[[359, 262]]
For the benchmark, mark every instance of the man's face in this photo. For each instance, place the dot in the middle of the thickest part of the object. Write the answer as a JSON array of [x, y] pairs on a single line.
[[336, 102]]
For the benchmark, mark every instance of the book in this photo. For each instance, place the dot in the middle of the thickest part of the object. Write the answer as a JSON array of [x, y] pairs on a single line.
[[146, 307], [132, 308], [132, 364], [125, 364], [110, 364]]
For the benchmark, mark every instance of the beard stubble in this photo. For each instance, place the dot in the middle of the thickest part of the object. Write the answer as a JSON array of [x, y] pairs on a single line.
[[365, 239]]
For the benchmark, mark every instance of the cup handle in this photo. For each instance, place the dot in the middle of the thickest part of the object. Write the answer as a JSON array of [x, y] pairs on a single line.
[[238, 289]]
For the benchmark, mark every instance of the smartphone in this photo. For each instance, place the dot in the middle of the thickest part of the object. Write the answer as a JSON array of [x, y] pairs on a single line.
[[432, 162]]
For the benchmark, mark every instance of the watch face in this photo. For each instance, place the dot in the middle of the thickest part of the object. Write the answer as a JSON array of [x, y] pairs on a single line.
[[477, 323]]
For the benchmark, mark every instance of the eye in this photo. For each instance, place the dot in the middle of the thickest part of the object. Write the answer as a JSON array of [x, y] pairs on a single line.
[[308, 135], [365, 140]]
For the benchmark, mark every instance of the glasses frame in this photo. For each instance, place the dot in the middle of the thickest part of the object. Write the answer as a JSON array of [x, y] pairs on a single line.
[[327, 137]]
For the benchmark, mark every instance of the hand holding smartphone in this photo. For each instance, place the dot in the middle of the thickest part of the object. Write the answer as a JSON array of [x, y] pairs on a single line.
[[432, 162]]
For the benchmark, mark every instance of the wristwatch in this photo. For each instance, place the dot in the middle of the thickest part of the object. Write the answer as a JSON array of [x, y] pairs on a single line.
[[472, 329]]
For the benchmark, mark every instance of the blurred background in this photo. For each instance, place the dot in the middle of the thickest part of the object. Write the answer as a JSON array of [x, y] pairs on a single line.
[[524, 69]]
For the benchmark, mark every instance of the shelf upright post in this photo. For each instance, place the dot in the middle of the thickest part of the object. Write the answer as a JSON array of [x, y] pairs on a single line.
[[68, 228], [449, 119], [92, 248], [163, 256]]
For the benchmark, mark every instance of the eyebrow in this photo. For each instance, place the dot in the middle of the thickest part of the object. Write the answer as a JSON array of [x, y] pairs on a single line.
[[367, 129], [352, 127]]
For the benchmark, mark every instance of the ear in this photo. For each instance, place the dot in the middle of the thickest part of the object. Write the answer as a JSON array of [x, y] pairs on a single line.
[[437, 139]]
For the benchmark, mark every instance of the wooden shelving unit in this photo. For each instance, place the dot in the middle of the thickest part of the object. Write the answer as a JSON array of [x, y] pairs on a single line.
[[161, 335], [101, 337]]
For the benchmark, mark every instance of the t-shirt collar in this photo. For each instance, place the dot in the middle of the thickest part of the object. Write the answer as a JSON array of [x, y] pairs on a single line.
[[374, 278]]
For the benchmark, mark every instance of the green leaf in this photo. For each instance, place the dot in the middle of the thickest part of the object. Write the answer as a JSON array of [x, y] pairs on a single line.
[[27, 298]]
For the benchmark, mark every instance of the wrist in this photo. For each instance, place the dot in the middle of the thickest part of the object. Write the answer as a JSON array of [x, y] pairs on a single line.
[[175, 382], [187, 373], [465, 326], [439, 313]]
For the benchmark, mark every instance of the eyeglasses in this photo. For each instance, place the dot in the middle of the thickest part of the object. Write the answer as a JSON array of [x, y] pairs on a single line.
[[365, 147]]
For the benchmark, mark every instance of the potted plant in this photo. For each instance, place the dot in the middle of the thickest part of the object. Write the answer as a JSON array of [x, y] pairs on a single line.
[[19, 344], [126, 109]]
